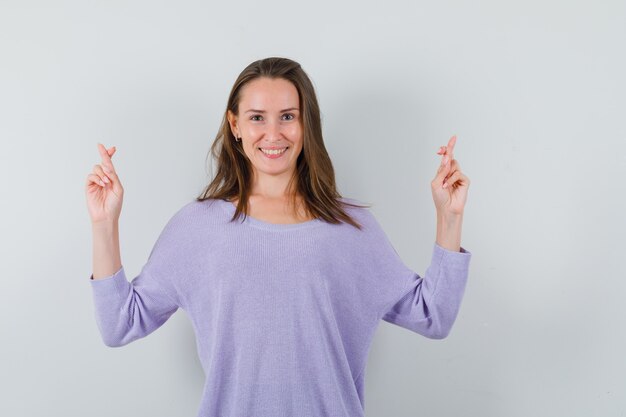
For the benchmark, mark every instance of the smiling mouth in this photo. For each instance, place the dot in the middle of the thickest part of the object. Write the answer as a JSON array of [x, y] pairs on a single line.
[[275, 151]]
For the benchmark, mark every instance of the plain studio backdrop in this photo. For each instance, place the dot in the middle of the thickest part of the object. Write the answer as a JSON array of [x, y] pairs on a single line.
[[534, 90]]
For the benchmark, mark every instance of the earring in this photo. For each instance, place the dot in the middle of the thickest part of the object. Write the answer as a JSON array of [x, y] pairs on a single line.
[[237, 139]]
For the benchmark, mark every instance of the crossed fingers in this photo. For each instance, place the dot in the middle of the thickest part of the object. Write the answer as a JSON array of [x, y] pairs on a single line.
[[447, 151]]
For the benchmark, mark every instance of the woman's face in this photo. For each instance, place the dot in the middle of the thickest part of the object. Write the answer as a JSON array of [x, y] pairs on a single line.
[[269, 119]]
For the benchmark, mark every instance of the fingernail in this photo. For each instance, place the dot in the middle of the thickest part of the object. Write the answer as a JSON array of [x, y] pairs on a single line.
[[445, 184]]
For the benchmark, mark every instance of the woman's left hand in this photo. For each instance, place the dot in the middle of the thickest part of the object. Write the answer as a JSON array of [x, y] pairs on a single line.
[[450, 185]]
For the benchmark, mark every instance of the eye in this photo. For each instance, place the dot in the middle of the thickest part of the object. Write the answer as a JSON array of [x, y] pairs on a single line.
[[290, 114], [256, 115]]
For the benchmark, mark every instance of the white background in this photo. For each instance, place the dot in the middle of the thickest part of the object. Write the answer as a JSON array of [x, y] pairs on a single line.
[[535, 91]]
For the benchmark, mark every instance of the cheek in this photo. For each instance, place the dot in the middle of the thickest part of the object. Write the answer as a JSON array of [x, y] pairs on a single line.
[[253, 130], [298, 133], [249, 149]]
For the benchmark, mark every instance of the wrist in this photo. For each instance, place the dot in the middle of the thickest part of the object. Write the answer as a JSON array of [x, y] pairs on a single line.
[[450, 218], [105, 225], [449, 231]]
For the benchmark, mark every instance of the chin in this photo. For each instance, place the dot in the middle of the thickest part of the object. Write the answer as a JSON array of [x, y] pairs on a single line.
[[276, 171]]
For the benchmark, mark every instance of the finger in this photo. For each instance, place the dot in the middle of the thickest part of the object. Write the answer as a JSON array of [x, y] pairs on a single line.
[[98, 170], [454, 166], [441, 166], [106, 157], [93, 178], [447, 160], [444, 158], [453, 178], [112, 174], [107, 172], [450, 148], [110, 171], [442, 173], [451, 169]]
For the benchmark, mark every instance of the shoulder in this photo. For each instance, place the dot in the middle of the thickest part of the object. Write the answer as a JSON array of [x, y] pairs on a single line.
[[360, 211], [350, 205], [193, 215], [198, 208]]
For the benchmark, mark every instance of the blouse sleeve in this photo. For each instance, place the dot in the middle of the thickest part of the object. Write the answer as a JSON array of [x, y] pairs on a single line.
[[127, 311], [428, 304]]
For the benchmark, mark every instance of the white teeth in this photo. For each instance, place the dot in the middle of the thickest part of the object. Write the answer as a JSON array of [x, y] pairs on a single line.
[[273, 151]]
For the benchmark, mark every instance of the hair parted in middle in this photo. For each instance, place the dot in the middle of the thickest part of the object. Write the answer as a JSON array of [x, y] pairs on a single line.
[[314, 176]]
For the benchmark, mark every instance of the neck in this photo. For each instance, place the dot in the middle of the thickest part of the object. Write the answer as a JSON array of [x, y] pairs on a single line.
[[272, 186]]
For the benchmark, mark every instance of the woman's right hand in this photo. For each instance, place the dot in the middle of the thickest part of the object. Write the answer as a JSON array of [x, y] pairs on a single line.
[[103, 189]]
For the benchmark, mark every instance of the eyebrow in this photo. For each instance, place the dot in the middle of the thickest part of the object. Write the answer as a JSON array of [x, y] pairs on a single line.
[[263, 111]]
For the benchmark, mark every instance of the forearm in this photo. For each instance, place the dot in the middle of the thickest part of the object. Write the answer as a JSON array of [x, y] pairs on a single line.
[[449, 231], [106, 249]]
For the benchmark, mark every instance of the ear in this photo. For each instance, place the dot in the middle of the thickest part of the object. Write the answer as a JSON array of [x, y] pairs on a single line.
[[232, 121]]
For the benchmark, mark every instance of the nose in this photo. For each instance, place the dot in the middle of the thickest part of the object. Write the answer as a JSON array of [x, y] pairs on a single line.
[[273, 133]]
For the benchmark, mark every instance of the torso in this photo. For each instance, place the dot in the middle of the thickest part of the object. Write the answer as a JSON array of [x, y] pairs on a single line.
[[276, 211]]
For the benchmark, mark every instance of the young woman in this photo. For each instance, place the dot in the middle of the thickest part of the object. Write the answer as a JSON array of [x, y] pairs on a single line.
[[284, 280]]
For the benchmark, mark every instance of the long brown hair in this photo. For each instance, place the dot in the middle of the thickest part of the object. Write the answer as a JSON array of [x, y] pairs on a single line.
[[314, 175]]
